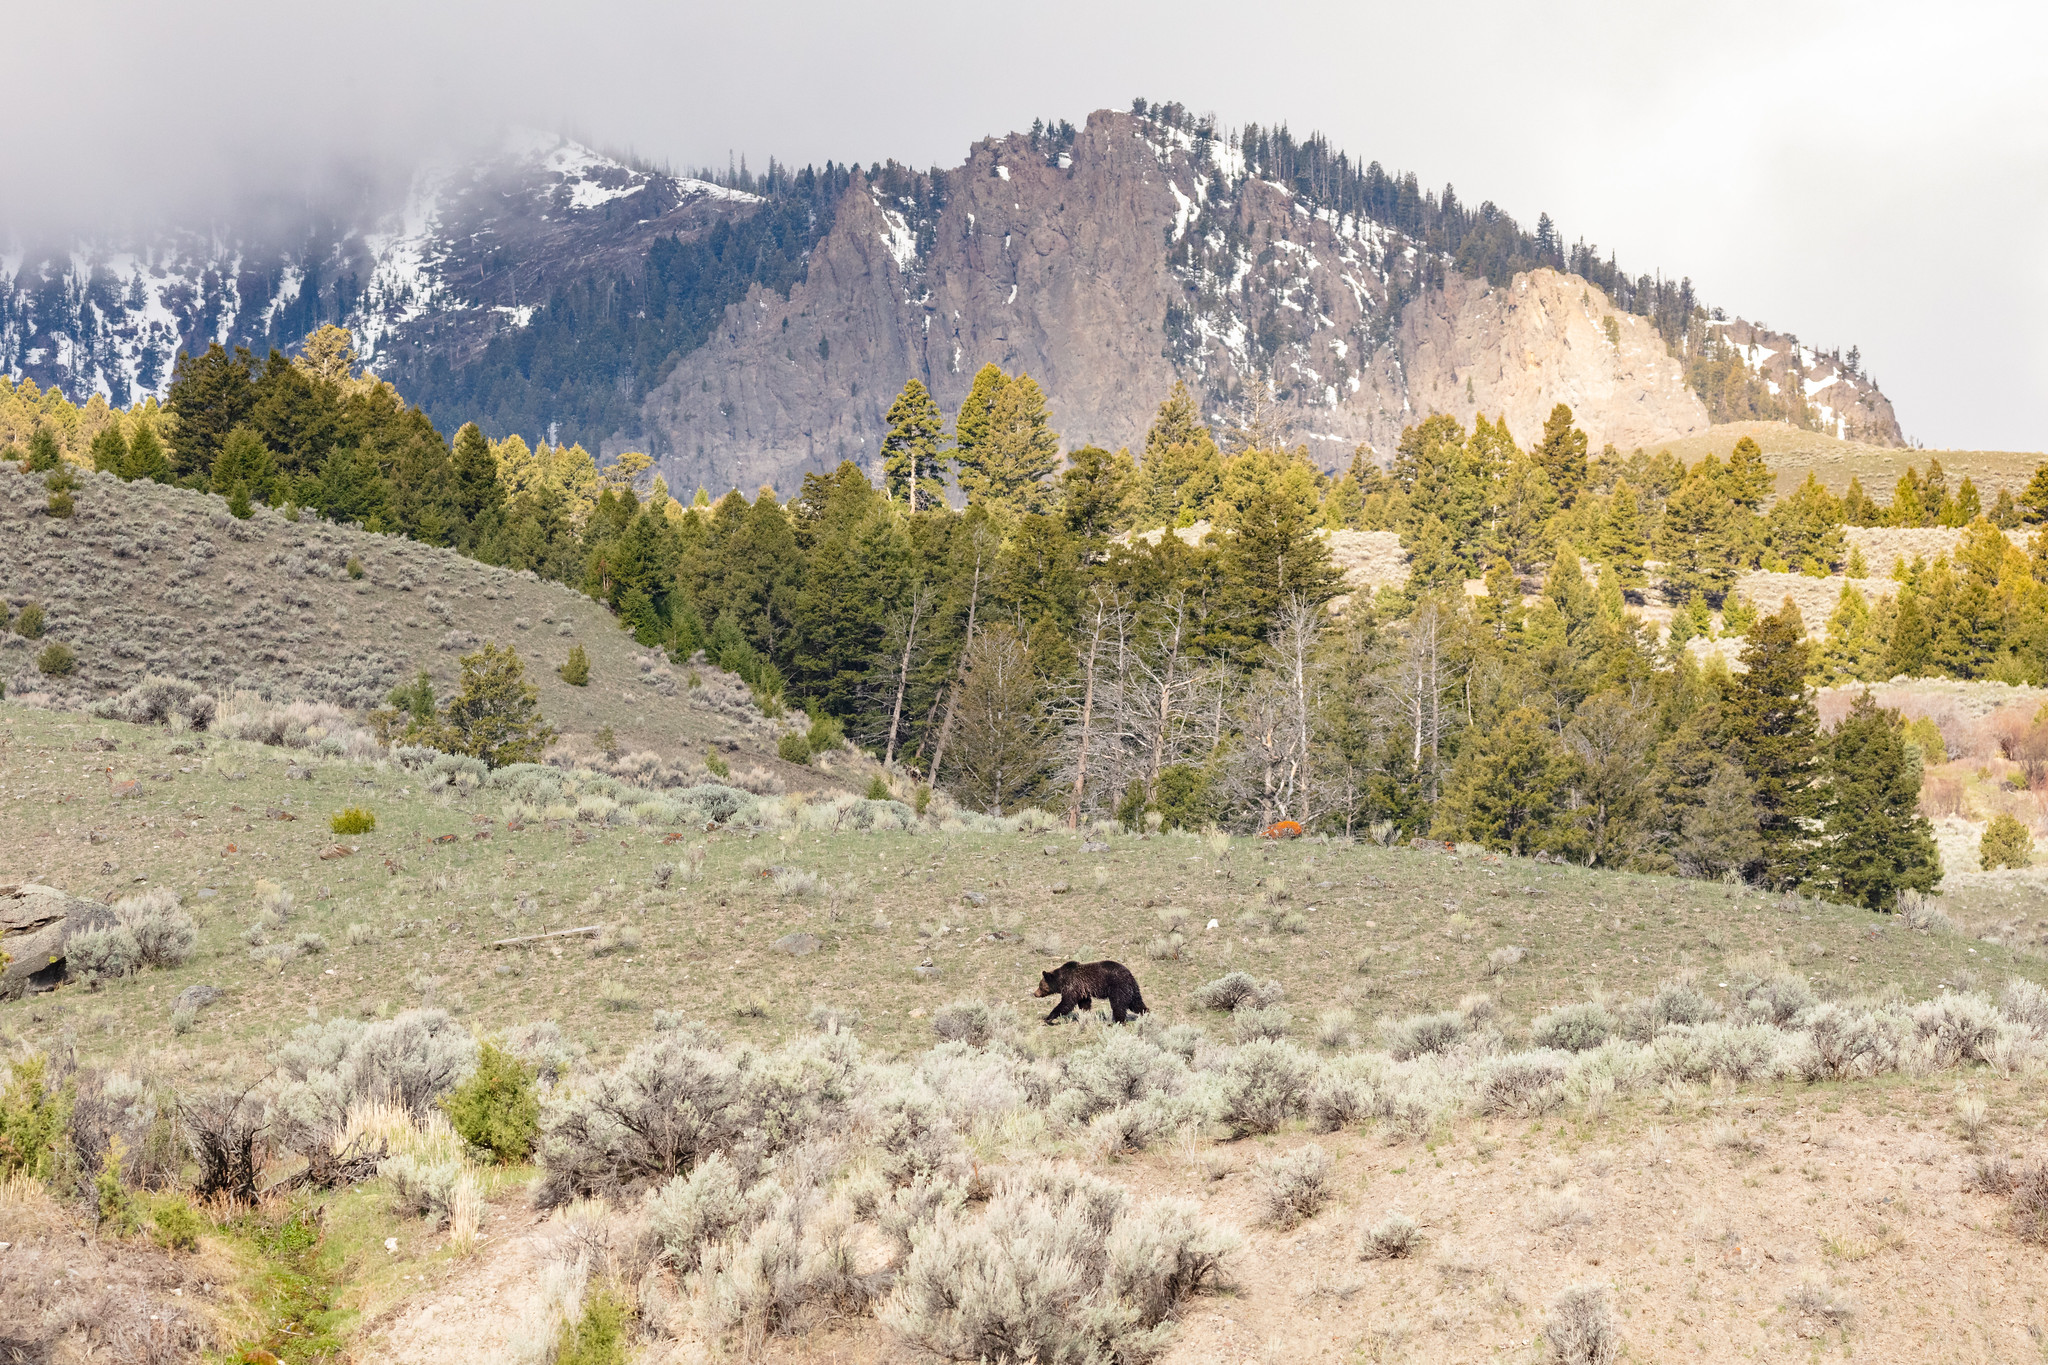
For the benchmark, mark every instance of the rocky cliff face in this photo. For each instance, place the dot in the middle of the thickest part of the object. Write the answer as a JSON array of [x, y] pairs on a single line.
[[1108, 269], [1107, 262]]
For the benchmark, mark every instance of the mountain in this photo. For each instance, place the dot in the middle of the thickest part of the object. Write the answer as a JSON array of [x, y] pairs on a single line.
[[750, 331]]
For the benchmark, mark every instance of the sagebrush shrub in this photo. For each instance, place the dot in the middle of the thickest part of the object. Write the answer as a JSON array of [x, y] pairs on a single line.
[[1580, 1328], [1249, 1025], [1294, 1186], [110, 951], [1124, 1067], [1235, 989], [164, 934], [497, 1109], [1422, 1034], [974, 1022], [2025, 1002], [692, 1211], [2029, 1204], [1392, 1238], [1523, 1085], [1264, 1084], [1573, 1028], [1056, 1269]]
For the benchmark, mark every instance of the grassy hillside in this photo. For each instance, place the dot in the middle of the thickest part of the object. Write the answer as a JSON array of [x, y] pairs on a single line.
[[1761, 1218], [1375, 930], [150, 579], [1793, 453]]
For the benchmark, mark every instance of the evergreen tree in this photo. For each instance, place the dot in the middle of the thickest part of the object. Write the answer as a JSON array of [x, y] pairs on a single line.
[[1182, 466], [913, 462], [1562, 455], [210, 394], [1620, 543], [2034, 500], [146, 458], [1874, 842], [43, 455], [1096, 492], [1909, 651], [244, 463], [1852, 649], [495, 713], [1717, 833], [1773, 730], [1017, 453], [110, 450], [1804, 531], [1508, 789], [972, 423], [1858, 509], [1699, 539], [479, 496], [1004, 744], [1748, 479]]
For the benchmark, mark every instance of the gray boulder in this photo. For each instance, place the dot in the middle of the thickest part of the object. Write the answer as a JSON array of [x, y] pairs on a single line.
[[35, 924]]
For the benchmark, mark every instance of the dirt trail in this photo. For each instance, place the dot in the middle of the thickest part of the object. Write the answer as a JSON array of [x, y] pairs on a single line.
[[471, 1310]]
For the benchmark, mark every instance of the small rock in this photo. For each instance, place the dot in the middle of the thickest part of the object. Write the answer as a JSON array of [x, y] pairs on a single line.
[[917, 1014], [1212, 924], [974, 897], [391, 1244], [193, 997], [797, 945], [1058, 888], [1093, 847]]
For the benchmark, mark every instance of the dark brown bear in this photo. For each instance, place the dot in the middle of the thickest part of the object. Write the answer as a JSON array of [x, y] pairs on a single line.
[[1080, 984]]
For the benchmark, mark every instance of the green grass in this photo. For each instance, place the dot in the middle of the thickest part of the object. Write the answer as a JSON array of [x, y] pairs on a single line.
[[1386, 931]]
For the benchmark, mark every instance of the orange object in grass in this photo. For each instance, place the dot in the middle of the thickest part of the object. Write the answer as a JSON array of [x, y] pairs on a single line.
[[1282, 829]]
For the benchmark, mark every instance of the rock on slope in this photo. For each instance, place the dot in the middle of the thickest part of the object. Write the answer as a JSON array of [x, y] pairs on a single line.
[[146, 579]]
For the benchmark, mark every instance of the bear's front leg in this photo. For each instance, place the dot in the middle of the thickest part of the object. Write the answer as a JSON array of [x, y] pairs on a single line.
[[1066, 1007]]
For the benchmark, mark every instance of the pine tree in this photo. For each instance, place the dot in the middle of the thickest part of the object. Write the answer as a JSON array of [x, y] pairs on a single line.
[[1508, 788], [1965, 507], [1771, 725], [1874, 842], [110, 450], [495, 714], [1909, 506], [146, 458], [1562, 454], [1018, 453], [1699, 540], [1182, 466], [43, 454], [1909, 651], [1858, 509], [2034, 500], [1852, 650], [1747, 478], [913, 463]]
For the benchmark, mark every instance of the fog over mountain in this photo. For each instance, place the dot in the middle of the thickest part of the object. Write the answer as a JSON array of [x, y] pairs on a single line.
[[1866, 175]]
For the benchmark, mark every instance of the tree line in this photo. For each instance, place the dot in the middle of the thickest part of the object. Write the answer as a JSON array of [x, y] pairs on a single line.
[[1163, 636]]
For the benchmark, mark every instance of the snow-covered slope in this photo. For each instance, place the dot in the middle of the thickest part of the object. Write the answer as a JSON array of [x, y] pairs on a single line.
[[466, 251]]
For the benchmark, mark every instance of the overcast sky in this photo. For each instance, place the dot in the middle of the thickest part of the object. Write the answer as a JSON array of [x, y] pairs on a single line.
[[1872, 174]]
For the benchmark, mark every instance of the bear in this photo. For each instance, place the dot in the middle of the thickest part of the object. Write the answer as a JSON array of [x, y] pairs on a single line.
[[1080, 984]]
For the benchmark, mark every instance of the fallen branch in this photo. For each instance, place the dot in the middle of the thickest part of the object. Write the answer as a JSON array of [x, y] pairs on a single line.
[[553, 933]]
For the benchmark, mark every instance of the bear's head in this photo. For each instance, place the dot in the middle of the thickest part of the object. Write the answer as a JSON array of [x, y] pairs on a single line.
[[1047, 985]]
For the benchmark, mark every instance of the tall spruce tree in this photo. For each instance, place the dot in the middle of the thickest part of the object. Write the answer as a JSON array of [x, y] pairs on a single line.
[[1874, 842], [211, 394], [1562, 453], [1771, 726], [913, 463], [1699, 537], [1017, 449], [971, 424], [1182, 466]]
